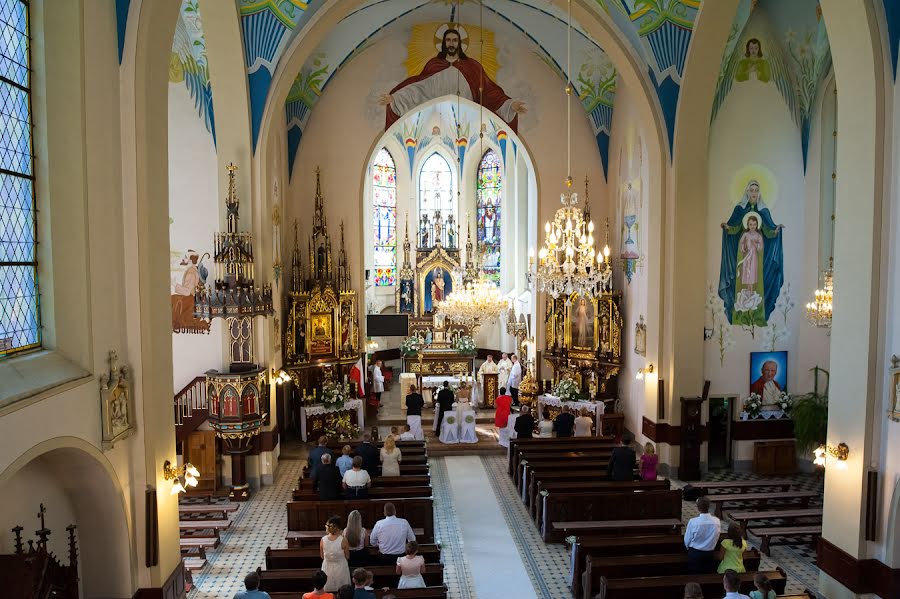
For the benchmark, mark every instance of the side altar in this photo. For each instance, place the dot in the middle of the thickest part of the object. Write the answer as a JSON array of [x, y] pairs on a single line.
[[321, 337]]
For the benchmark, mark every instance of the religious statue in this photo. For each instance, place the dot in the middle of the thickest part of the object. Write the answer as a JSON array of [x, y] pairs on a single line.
[[605, 345], [438, 222], [451, 233], [752, 269], [437, 286], [423, 231], [406, 300]]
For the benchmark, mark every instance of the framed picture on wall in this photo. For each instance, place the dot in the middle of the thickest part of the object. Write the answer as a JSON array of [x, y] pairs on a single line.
[[895, 389], [768, 375]]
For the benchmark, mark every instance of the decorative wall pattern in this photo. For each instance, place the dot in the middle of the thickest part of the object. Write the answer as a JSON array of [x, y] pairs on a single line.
[[188, 62], [542, 24], [660, 32], [785, 43]]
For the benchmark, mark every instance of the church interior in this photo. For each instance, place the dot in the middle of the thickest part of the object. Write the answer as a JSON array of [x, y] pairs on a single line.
[[585, 264]]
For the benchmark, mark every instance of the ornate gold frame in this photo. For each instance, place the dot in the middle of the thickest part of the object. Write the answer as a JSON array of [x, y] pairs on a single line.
[[438, 257], [574, 299]]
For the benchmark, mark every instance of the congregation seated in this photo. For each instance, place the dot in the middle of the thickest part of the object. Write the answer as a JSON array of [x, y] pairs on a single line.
[[564, 422], [525, 424], [391, 534], [583, 424], [328, 481], [701, 537], [357, 481], [251, 582], [621, 462], [369, 454], [546, 426]]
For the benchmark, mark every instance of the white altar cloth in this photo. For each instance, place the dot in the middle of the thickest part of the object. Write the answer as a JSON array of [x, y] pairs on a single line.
[[597, 407], [316, 409]]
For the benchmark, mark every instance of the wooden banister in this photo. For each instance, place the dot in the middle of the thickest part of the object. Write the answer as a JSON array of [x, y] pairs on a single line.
[[192, 398]]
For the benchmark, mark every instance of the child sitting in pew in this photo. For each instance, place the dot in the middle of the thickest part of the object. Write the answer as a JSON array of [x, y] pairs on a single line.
[[763, 587], [692, 590], [731, 551]]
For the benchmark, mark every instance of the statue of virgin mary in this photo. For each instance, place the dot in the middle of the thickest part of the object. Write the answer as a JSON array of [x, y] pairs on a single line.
[[750, 301]]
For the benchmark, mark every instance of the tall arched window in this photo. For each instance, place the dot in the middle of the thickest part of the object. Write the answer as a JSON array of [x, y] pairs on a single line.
[[384, 218], [20, 320], [487, 204], [436, 188]]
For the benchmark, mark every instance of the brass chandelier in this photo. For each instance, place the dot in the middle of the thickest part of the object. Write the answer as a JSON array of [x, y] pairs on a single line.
[[479, 301], [568, 262]]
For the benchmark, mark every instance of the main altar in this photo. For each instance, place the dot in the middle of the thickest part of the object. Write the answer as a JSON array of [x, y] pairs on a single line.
[[321, 337]]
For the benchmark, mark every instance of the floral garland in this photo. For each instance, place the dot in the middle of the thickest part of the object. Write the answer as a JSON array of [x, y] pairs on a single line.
[[566, 390], [411, 345], [753, 405], [334, 395], [465, 345]]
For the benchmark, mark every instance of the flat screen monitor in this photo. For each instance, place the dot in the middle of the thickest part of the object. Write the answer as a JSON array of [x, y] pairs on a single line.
[[387, 325]]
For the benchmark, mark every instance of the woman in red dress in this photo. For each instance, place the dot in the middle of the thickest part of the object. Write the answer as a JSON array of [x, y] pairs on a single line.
[[503, 405]]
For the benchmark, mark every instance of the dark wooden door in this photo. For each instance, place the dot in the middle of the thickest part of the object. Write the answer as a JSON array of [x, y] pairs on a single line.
[[201, 452]]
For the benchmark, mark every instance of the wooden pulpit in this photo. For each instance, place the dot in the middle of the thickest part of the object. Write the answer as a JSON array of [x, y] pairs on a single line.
[[489, 389]]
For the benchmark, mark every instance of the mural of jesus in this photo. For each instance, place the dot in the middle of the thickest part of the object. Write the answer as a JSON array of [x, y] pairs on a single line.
[[441, 77]]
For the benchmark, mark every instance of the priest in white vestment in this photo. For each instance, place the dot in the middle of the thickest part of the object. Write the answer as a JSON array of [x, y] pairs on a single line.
[[504, 366]]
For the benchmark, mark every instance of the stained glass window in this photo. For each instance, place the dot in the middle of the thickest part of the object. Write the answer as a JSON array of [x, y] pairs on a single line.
[[384, 219], [487, 204], [436, 188], [20, 322]]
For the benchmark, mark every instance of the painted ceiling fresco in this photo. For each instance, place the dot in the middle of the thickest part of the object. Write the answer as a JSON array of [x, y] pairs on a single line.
[[188, 62], [781, 43], [543, 25]]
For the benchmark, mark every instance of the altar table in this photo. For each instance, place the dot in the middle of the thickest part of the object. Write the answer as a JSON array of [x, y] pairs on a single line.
[[316, 417], [554, 404]]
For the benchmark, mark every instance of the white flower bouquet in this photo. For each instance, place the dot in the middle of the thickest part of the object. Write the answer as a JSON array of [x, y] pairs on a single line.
[[411, 345], [566, 390], [334, 395], [753, 405], [785, 403], [465, 345]]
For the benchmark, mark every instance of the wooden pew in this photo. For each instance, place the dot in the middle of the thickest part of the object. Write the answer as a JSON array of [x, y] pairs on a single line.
[[667, 587], [516, 445], [291, 579], [550, 445], [215, 525], [197, 541], [435, 592], [306, 484], [617, 528], [606, 546], [633, 566], [789, 515], [194, 563], [569, 507], [717, 501], [766, 534], [308, 557], [561, 459], [595, 465], [207, 509], [593, 486], [743, 485], [298, 539], [312, 515], [374, 493]]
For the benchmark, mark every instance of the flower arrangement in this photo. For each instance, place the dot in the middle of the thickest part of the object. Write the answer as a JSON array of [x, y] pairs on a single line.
[[411, 345], [566, 390], [785, 403], [753, 405], [465, 345], [340, 428], [334, 395]]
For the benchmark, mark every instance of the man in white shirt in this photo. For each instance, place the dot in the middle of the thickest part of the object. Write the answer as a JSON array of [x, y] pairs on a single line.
[[407, 434], [515, 378], [504, 366], [732, 583], [701, 537], [377, 381], [391, 534]]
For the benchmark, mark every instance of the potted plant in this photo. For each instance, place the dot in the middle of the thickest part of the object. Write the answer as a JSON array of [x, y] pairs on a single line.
[[810, 414]]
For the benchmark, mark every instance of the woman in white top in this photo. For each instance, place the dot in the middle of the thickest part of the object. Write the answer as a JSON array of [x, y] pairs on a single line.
[[334, 551], [390, 458], [545, 426], [410, 567], [583, 424], [357, 537], [356, 480]]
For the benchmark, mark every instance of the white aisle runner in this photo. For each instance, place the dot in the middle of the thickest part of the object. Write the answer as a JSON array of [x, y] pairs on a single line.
[[497, 569]]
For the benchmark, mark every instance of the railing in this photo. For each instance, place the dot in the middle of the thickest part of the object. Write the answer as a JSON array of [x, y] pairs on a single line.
[[189, 400]]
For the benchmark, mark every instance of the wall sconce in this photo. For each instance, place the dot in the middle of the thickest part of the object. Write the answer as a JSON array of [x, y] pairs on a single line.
[[181, 476], [643, 371], [840, 453], [280, 377]]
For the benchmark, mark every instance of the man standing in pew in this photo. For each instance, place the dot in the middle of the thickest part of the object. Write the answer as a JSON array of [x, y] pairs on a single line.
[[369, 454], [328, 480], [314, 461], [390, 535], [564, 422], [622, 460], [701, 538]]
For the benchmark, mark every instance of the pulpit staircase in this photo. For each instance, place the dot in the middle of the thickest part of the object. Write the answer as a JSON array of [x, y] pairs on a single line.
[[191, 408]]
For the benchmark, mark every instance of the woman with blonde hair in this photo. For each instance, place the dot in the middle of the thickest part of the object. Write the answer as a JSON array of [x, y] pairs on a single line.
[[649, 462], [692, 590], [334, 550], [390, 458], [583, 424], [357, 538]]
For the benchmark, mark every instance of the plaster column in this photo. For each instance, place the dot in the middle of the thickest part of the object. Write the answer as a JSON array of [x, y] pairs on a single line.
[[859, 72]]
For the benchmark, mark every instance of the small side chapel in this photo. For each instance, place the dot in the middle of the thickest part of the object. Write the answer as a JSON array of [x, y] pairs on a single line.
[[281, 275]]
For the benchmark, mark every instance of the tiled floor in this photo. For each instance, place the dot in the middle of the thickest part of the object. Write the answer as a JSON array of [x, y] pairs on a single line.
[[481, 480]]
